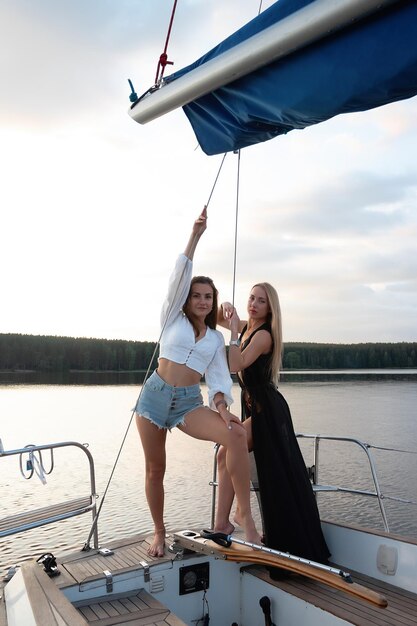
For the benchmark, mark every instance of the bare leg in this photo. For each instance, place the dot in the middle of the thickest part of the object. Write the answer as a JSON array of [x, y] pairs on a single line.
[[226, 491], [226, 495], [202, 423], [153, 442]]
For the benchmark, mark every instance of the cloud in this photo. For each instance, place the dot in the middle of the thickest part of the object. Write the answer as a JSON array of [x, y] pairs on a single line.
[[359, 202], [409, 286], [65, 60], [95, 207]]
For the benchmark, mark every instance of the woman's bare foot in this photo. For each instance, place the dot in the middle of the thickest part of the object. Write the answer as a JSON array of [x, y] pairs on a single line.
[[254, 537], [251, 534], [237, 518], [157, 547], [226, 529]]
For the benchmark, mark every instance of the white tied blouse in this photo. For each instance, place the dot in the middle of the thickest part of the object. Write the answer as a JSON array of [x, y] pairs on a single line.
[[206, 356]]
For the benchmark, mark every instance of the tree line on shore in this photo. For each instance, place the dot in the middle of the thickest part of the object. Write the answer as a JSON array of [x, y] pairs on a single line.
[[62, 354]]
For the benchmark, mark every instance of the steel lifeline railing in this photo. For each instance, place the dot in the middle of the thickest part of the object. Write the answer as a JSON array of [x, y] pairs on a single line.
[[314, 472], [314, 475], [31, 463]]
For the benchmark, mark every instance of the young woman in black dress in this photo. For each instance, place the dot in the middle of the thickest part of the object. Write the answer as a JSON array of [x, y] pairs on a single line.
[[288, 506]]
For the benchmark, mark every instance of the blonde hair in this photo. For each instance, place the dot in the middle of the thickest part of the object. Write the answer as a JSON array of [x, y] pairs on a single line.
[[274, 318]]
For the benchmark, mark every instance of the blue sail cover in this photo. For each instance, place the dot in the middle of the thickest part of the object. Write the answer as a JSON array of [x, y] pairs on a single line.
[[369, 64]]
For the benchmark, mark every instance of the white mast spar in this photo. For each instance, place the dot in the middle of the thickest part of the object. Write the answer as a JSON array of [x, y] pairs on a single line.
[[316, 20]]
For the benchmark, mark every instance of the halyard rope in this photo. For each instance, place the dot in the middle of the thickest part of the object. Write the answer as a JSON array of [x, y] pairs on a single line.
[[163, 59]]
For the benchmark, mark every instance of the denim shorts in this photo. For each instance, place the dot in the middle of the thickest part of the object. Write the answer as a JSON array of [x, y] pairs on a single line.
[[166, 406]]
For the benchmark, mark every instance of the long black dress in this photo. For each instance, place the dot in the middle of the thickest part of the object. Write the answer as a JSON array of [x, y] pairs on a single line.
[[288, 505]]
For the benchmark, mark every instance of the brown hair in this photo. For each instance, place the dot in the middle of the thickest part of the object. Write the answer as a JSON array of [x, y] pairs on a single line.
[[211, 318]]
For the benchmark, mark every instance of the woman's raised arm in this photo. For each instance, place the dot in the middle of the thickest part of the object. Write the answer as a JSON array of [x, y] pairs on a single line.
[[199, 227]]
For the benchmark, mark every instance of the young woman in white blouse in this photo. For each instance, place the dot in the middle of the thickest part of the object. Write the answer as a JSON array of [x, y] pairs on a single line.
[[191, 346]]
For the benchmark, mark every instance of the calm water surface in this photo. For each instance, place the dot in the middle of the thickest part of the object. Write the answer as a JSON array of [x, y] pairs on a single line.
[[380, 412]]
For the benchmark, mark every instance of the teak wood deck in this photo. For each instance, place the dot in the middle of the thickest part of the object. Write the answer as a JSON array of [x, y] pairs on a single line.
[[140, 608], [128, 609], [401, 609]]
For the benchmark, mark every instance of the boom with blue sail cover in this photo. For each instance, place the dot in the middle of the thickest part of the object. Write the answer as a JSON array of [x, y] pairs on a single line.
[[364, 62]]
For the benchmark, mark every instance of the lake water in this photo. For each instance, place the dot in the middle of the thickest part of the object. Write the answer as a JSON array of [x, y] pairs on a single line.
[[377, 409]]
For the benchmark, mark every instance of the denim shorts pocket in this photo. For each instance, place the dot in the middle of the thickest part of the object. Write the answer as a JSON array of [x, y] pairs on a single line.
[[154, 385]]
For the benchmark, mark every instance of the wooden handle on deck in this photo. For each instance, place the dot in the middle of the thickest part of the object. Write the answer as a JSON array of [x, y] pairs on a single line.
[[238, 553]]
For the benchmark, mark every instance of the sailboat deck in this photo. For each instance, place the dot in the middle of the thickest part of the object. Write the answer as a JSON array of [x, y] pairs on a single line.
[[139, 608], [80, 567], [401, 609], [133, 609]]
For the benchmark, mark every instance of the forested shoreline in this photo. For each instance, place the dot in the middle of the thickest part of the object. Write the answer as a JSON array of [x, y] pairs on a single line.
[[63, 354]]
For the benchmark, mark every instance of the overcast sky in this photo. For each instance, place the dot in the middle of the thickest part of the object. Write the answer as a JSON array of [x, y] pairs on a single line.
[[95, 207]]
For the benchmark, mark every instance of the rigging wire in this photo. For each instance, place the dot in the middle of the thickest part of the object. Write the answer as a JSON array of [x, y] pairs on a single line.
[[391, 449], [237, 208], [215, 180], [236, 224], [95, 521]]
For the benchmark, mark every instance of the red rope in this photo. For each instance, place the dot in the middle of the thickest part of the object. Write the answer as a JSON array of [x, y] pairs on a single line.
[[163, 59]]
